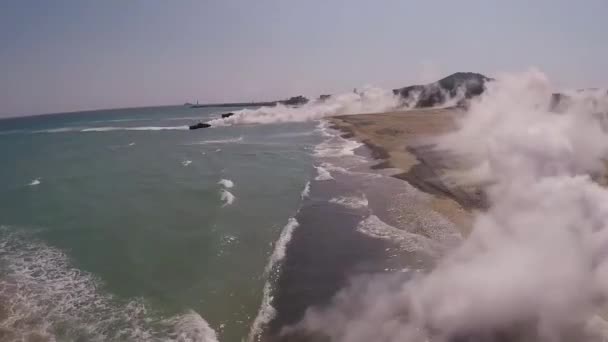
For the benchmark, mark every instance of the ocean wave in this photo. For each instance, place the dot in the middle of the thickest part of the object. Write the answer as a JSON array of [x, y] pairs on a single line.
[[323, 127], [42, 294], [374, 227], [219, 141], [267, 312], [306, 191], [292, 134], [112, 128], [227, 197], [280, 246], [226, 183], [60, 130], [143, 128], [332, 167], [352, 202], [336, 146], [34, 182], [322, 174]]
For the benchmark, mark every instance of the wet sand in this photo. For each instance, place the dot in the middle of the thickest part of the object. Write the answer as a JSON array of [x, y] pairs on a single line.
[[327, 250], [404, 141]]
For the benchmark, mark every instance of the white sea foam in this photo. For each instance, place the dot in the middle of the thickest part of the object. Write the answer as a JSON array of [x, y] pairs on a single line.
[[34, 182], [144, 128], [112, 128], [331, 167], [132, 144], [369, 100], [190, 327], [336, 146], [306, 191], [410, 242], [226, 183], [42, 293], [324, 129], [187, 162], [352, 202], [280, 246], [323, 174], [267, 312], [218, 141], [293, 134], [59, 130], [227, 197]]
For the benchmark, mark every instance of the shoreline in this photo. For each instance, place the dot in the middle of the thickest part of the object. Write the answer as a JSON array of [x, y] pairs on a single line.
[[403, 141]]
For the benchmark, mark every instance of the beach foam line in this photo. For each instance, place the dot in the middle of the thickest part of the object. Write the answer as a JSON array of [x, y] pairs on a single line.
[[336, 146], [267, 312], [218, 141], [281, 244], [143, 128], [111, 128], [42, 292], [306, 191], [351, 202], [322, 174], [374, 227]]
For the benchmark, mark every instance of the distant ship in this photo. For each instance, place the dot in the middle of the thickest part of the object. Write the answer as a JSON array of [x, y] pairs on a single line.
[[197, 105]]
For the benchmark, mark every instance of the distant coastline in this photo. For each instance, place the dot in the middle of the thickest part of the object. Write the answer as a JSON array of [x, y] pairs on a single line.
[[235, 104], [292, 101]]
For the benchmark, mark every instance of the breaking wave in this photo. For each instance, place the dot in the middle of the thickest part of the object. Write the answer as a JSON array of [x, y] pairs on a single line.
[[112, 128], [144, 128], [306, 191], [219, 141], [44, 297], [352, 202], [226, 183], [374, 227], [227, 197], [267, 312], [323, 174], [336, 146]]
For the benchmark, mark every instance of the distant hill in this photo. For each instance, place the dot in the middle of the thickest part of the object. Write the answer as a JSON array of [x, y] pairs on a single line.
[[458, 86]]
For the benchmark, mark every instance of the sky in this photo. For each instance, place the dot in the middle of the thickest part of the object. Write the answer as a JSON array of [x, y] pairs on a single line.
[[69, 55]]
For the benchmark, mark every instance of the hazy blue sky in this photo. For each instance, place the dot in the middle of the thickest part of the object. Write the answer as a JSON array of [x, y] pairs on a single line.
[[69, 55]]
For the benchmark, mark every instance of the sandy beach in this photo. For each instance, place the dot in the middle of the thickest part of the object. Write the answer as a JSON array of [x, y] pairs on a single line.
[[404, 141]]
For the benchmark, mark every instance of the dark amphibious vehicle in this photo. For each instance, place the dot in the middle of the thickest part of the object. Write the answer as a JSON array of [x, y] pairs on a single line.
[[206, 125], [199, 125]]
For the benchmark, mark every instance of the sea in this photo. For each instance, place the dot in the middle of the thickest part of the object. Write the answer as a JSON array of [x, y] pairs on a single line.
[[124, 225]]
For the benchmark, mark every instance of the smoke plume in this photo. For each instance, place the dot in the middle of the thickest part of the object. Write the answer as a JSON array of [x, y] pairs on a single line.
[[535, 267], [368, 100]]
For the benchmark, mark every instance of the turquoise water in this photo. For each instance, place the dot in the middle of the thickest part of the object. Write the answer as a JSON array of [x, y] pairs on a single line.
[[114, 225]]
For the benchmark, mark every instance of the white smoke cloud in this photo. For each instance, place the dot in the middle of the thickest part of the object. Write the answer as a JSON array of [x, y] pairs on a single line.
[[368, 100], [535, 267]]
